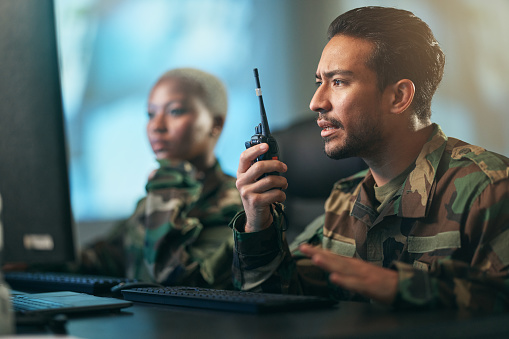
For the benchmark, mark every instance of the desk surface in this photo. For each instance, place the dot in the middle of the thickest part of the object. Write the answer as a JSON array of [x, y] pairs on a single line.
[[346, 320]]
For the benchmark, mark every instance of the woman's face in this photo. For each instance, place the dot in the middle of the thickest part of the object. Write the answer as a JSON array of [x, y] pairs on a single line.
[[180, 127]]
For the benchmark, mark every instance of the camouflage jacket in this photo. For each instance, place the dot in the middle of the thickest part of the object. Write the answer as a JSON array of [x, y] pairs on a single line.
[[178, 234], [446, 232]]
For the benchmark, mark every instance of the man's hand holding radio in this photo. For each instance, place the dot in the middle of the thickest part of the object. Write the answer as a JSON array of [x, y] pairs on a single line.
[[259, 192]]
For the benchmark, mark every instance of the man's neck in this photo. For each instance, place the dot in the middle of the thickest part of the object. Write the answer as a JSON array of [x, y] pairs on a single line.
[[398, 153]]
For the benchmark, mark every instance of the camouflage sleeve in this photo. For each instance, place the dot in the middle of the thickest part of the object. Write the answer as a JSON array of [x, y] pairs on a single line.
[[263, 261], [105, 256], [480, 283], [259, 257]]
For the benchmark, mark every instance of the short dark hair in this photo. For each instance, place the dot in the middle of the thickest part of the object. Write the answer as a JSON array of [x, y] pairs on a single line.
[[404, 48]]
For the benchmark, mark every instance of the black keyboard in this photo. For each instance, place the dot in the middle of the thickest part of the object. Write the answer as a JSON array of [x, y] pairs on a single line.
[[52, 282], [225, 300]]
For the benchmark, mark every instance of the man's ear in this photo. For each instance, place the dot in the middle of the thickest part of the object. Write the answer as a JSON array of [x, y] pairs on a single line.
[[402, 93], [217, 126]]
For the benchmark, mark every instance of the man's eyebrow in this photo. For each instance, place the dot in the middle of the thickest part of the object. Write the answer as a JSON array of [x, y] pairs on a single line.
[[330, 74]]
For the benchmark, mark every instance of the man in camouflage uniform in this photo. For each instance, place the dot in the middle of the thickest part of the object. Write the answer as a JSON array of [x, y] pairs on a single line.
[[427, 225], [178, 234]]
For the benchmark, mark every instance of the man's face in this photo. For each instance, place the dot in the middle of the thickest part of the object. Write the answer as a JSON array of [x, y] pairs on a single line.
[[179, 125], [347, 99]]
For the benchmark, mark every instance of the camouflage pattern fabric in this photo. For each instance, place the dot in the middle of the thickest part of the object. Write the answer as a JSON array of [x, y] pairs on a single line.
[[178, 234], [446, 232]]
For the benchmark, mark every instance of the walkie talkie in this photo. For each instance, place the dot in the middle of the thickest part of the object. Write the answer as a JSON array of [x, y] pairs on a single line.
[[262, 131]]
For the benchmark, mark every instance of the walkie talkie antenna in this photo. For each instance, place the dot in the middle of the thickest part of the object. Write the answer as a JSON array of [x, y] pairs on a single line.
[[262, 132], [264, 124]]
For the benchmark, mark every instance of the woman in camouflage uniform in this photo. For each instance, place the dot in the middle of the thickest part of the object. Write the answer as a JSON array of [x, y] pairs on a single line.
[[178, 234]]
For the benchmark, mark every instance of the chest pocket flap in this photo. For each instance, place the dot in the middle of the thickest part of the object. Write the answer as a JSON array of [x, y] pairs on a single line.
[[340, 245], [444, 240]]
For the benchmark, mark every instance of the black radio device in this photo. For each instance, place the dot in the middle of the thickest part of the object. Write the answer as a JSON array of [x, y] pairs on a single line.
[[262, 131]]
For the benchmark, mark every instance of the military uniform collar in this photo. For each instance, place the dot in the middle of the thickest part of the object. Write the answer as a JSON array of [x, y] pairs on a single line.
[[420, 185], [412, 200]]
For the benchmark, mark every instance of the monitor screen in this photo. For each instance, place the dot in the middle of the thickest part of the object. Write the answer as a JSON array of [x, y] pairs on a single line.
[[34, 184]]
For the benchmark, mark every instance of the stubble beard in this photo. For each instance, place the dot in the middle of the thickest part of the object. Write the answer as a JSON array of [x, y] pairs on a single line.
[[355, 145], [348, 150]]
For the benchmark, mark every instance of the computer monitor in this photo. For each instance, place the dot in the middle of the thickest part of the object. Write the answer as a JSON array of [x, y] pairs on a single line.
[[34, 184]]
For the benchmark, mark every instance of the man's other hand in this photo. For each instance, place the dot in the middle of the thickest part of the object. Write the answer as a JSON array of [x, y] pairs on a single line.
[[355, 275]]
